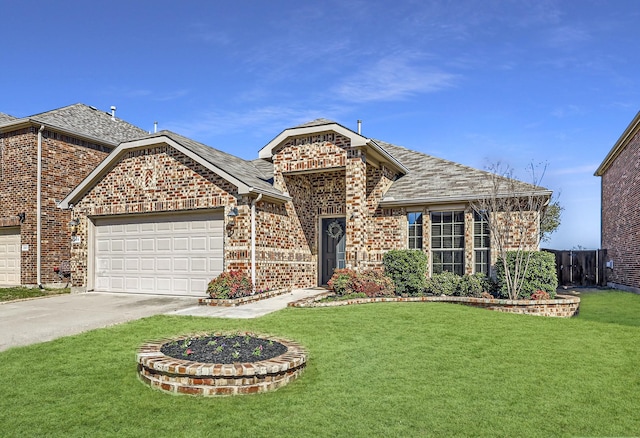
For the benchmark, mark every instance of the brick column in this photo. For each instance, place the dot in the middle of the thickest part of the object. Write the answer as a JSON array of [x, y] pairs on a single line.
[[356, 207]]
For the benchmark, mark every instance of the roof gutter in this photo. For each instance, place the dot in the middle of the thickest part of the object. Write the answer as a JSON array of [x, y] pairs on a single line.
[[24, 123], [391, 202]]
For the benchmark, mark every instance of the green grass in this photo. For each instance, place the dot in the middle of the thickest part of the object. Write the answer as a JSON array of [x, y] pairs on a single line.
[[393, 369], [19, 293]]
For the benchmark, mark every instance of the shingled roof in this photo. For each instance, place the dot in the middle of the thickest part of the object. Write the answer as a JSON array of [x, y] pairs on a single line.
[[91, 122], [431, 179], [4, 118], [79, 120]]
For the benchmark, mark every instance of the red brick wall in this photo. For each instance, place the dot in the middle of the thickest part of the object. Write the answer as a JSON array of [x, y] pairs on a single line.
[[621, 215], [65, 162]]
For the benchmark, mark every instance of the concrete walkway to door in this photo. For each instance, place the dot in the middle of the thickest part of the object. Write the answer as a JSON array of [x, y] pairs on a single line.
[[44, 319]]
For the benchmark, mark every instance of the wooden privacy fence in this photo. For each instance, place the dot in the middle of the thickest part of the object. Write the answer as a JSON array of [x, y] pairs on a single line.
[[580, 268]]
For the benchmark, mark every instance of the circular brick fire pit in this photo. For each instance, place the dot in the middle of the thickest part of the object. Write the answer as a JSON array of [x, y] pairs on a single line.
[[180, 376]]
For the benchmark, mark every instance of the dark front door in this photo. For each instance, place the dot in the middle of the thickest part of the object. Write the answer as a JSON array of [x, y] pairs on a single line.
[[333, 247]]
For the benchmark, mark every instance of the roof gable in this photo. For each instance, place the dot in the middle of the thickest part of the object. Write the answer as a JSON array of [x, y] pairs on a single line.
[[628, 134], [324, 125], [243, 174]]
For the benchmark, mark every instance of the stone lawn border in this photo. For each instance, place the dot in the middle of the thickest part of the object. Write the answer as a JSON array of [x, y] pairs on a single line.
[[565, 306], [242, 300], [179, 376]]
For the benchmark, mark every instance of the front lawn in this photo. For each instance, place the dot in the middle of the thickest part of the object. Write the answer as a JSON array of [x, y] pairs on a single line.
[[19, 293], [393, 369]]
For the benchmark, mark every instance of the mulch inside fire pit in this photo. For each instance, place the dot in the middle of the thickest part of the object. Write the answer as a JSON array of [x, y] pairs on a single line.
[[224, 349]]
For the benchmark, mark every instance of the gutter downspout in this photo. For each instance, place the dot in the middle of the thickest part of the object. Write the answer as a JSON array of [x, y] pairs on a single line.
[[39, 211], [253, 241]]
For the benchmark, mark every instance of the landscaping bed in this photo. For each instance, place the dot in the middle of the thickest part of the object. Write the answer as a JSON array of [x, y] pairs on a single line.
[[563, 306], [220, 364]]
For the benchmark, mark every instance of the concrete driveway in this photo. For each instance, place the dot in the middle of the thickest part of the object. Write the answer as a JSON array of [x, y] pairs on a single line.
[[44, 319], [32, 321]]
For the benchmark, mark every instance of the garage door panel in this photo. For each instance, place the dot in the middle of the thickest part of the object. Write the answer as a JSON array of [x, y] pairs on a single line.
[[181, 264], [147, 244], [181, 285], [147, 284], [198, 264], [163, 285], [199, 243], [132, 264], [148, 265], [199, 284], [215, 265], [117, 245], [132, 283], [117, 265], [168, 254], [180, 243], [164, 227]]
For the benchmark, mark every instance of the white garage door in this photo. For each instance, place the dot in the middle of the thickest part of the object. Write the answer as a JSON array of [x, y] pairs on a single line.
[[171, 254], [9, 256]]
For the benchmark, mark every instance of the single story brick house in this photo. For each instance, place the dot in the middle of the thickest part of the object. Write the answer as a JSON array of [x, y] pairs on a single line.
[[165, 214], [620, 214], [42, 158]]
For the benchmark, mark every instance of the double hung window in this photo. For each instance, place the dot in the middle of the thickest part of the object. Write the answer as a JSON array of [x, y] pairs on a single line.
[[447, 242]]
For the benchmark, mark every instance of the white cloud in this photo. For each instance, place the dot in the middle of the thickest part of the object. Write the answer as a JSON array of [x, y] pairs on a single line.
[[393, 78]]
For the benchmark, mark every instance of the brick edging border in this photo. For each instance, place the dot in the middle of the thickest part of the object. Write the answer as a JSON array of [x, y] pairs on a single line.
[[564, 307], [242, 300], [178, 376]]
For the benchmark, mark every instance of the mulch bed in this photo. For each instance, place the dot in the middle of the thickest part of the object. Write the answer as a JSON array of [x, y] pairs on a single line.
[[224, 349]]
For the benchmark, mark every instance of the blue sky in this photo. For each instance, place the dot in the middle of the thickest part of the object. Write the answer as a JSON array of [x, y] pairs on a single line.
[[476, 82]]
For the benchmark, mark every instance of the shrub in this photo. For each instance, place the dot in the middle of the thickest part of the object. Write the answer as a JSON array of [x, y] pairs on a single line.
[[407, 268], [540, 295], [341, 281], [371, 283], [229, 285], [540, 275], [445, 283], [474, 285], [374, 283], [448, 283]]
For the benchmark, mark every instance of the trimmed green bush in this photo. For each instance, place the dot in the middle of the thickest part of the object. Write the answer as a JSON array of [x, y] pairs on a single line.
[[408, 270], [445, 283], [448, 283], [540, 275], [474, 285]]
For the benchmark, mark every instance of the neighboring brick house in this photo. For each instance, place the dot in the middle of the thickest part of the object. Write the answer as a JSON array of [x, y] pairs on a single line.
[[72, 141], [620, 214], [165, 214]]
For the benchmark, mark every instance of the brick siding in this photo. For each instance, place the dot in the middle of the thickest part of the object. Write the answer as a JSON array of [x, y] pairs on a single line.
[[621, 217], [66, 161]]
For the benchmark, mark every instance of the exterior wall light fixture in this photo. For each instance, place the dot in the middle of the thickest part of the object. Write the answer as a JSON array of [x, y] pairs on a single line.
[[231, 222]]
